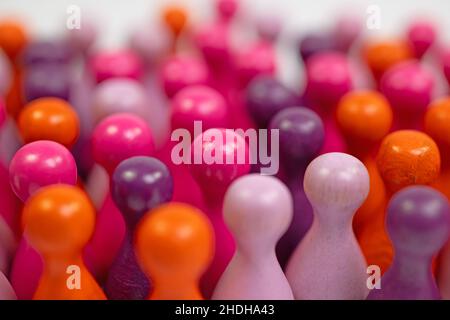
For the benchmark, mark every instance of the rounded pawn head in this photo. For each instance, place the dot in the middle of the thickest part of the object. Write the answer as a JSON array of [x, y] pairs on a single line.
[[364, 116], [181, 71], [258, 211], [313, 44], [380, 56], [224, 156], [58, 220], [437, 121], [418, 221], [301, 133], [421, 35], [335, 184], [117, 95], [328, 78], [269, 27], [119, 137], [175, 241], [49, 119], [13, 38], [38, 164], [198, 103], [138, 185], [175, 18], [227, 9], [408, 86], [106, 65], [214, 43], [265, 96], [408, 157]]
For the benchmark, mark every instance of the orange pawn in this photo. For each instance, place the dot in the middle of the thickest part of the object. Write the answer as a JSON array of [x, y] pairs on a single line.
[[405, 158], [364, 118], [380, 56], [174, 244], [59, 221], [49, 119], [175, 19]]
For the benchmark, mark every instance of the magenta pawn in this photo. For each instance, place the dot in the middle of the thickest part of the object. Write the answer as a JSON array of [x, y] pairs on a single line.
[[106, 65], [409, 89], [219, 157], [418, 223], [422, 35]]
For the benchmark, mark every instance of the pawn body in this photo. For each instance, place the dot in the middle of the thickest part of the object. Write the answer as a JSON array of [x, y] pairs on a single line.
[[6, 291], [328, 263], [258, 210]]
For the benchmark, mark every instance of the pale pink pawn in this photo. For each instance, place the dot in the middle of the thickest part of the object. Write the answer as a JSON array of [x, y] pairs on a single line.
[[220, 156], [6, 291], [258, 210], [328, 263]]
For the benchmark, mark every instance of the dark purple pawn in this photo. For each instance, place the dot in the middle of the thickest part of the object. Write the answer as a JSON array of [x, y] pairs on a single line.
[[418, 223], [138, 185], [316, 43], [47, 52], [301, 138], [47, 80], [266, 96]]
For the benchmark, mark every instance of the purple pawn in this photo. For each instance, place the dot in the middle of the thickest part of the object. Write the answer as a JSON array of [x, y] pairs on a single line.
[[418, 223], [47, 80], [301, 139], [138, 185], [266, 96], [315, 43], [47, 52]]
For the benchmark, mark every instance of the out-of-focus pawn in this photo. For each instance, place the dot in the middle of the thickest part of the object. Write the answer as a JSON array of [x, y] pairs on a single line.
[[110, 64], [328, 263], [257, 210], [82, 39], [380, 56], [116, 138], [176, 19], [436, 125], [175, 244], [139, 184], [49, 119], [58, 222], [446, 65], [39, 164], [421, 35], [2, 113], [47, 52], [36, 165], [409, 88], [346, 32], [5, 74], [219, 157], [8, 245], [365, 118], [13, 38], [418, 222], [265, 96], [151, 42], [6, 290], [329, 78], [227, 9], [118, 95], [301, 137], [269, 28], [47, 81], [315, 43], [180, 71]]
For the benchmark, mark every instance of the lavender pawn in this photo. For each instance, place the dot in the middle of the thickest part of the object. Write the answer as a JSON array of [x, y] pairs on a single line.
[[418, 223], [138, 185], [302, 136]]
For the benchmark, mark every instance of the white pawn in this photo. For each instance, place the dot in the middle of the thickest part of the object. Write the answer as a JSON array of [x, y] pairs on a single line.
[[328, 262], [258, 211]]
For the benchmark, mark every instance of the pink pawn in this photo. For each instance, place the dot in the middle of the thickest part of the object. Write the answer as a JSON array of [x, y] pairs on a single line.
[[421, 36], [328, 262], [409, 89], [34, 166], [181, 71], [193, 103], [124, 63], [227, 9], [6, 291], [2, 112], [116, 138], [219, 157], [258, 210], [329, 78], [446, 65]]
